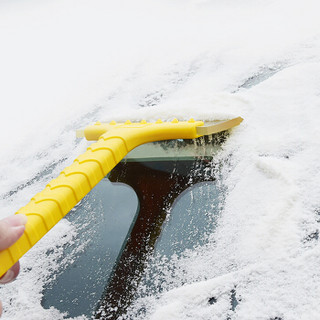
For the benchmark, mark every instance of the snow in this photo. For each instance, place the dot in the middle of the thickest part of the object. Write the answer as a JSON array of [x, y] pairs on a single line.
[[65, 64]]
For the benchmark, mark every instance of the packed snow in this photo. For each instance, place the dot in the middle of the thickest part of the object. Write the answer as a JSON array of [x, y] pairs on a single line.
[[65, 64]]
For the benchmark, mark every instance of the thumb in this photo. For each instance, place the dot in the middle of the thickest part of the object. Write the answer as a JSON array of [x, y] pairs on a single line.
[[11, 229]]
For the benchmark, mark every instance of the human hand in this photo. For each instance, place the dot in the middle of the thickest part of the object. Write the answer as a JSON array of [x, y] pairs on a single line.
[[11, 229]]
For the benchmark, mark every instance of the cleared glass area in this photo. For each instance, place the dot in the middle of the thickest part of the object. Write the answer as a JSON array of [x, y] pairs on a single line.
[[104, 220], [160, 200], [191, 219]]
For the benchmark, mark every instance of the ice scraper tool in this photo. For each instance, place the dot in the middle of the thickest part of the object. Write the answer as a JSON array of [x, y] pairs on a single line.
[[114, 141]]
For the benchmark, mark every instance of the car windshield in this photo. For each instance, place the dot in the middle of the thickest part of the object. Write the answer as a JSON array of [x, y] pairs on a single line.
[[160, 201]]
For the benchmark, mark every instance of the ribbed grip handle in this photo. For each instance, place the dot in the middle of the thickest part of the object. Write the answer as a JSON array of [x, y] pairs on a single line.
[[49, 206]]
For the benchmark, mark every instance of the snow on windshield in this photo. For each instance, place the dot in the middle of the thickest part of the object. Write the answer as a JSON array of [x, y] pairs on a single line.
[[65, 64]]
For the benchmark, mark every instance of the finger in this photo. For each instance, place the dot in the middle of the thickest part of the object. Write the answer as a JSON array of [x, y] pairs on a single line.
[[11, 274], [11, 229], [9, 235], [15, 220]]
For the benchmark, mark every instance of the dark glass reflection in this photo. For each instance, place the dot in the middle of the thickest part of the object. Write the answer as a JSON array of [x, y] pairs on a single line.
[[104, 220], [158, 186], [191, 220], [103, 280]]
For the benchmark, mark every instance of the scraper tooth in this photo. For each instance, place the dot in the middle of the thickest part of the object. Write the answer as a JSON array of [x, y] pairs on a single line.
[[159, 121], [175, 120]]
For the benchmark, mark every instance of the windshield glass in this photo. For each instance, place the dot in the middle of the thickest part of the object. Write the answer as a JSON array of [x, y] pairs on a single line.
[[160, 201]]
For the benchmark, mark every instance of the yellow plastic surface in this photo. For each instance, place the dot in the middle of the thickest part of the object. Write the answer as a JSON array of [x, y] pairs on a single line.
[[114, 141]]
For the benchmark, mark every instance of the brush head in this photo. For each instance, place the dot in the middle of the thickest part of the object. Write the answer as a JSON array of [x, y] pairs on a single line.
[[202, 128]]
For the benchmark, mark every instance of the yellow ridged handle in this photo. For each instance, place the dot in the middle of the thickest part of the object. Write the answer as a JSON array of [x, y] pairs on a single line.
[[115, 140]]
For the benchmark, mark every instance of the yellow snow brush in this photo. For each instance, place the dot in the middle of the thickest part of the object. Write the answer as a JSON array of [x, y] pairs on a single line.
[[114, 141]]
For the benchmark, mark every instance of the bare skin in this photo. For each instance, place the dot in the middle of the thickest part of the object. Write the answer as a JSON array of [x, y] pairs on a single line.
[[11, 229]]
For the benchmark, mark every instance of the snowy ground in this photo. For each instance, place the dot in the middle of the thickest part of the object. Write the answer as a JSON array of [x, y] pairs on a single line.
[[64, 64]]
